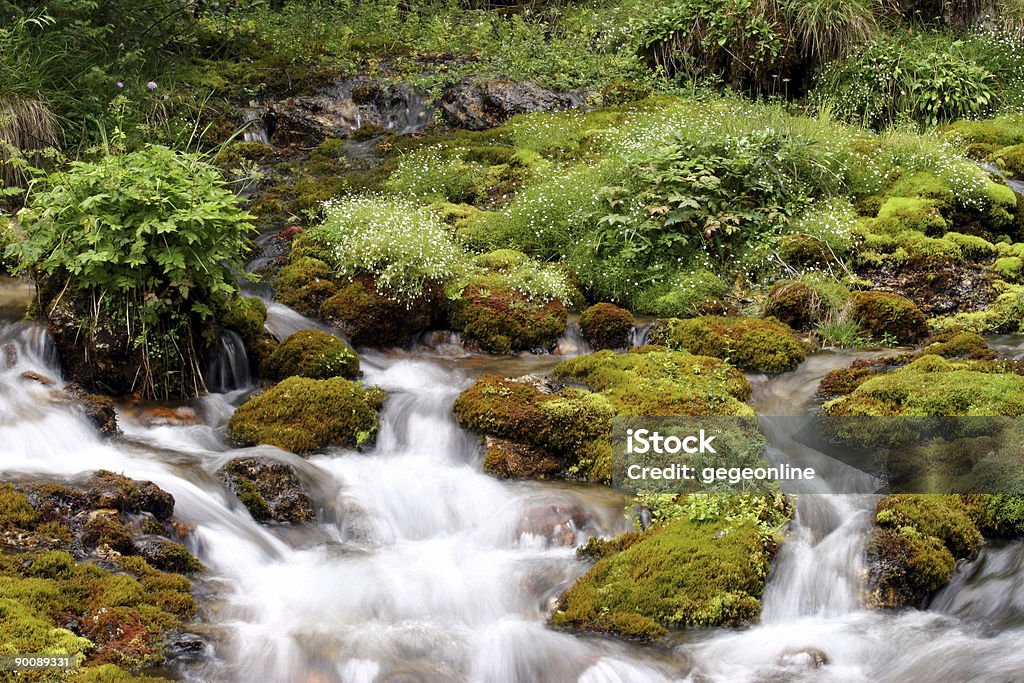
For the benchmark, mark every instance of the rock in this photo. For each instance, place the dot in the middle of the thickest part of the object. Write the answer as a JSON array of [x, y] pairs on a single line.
[[881, 315], [109, 490], [368, 318], [341, 109], [606, 326], [806, 658], [510, 460], [98, 409], [504, 320], [748, 343], [270, 490], [556, 525], [104, 527], [482, 104], [313, 354], [304, 415], [10, 355], [36, 377], [168, 416], [167, 555], [186, 646]]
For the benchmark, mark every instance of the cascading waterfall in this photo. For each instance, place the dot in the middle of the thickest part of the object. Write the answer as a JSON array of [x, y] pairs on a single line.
[[422, 568]]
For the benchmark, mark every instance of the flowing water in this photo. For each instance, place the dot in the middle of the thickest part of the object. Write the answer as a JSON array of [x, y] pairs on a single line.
[[421, 568]]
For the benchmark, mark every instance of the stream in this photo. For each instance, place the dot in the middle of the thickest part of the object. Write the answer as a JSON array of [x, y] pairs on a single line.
[[421, 568]]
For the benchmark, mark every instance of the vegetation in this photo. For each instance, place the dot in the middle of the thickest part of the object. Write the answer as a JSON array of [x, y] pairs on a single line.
[[606, 326], [748, 343], [304, 415], [313, 354]]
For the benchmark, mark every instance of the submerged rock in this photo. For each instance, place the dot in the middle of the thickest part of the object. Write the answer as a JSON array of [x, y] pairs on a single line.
[[481, 104], [270, 490]]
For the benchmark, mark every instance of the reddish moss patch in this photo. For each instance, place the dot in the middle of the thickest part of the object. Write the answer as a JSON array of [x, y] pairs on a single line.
[[504, 321], [606, 326], [369, 318]]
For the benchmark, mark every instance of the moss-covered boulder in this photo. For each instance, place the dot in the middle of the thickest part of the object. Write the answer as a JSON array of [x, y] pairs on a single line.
[[270, 490], [313, 354], [368, 318], [248, 316], [681, 573], [913, 550], [934, 386], [748, 343], [541, 427], [305, 415], [304, 284], [883, 315], [503, 321], [1011, 160], [115, 618], [606, 326]]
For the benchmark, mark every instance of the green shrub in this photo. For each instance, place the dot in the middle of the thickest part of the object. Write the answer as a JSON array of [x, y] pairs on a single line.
[[155, 235], [748, 343], [313, 354], [305, 415]]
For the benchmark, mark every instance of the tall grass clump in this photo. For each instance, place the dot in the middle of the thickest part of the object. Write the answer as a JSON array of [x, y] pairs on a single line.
[[26, 126]]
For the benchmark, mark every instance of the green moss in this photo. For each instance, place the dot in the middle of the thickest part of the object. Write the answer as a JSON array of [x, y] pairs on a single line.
[[576, 418], [934, 386], [503, 321], [1004, 315], [305, 415], [914, 549], [501, 260], [1001, 131], [504, 408], [958, 344], [911, 213], [924, 185], [1002, 203], [972, 247], [881, 315], [803, 304], [15, 511], [232, 156], [683, 573], [801, 250], [606, 326], [1010, 268], [246, 316], [748, 343], [313, 354], [304, 284], [1011, 160]]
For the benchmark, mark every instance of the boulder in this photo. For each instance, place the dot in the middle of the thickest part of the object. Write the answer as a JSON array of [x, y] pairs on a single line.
[[482, 104], [270, 490]]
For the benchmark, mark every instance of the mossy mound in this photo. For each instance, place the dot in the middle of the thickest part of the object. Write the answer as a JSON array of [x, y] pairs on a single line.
[[313, 354], [1011, 160], [1009, 268], [369, 318], [914, 548], [504, 321], [934, 386], [541, 428], [270, 490], [681, 573], [606, 326], [304, 415], [120, 616], [748, 343], [802, 304], [304, 284], [882, 315], [805, 251], [246, 316]]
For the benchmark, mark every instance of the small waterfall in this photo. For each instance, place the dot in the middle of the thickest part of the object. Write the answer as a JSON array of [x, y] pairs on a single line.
[[229, 368], [254, 127]]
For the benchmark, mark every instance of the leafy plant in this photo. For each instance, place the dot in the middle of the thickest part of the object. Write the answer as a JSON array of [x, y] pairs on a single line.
[[153, 235]]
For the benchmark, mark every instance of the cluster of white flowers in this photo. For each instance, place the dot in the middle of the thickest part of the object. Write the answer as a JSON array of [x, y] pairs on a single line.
[[405, 247], [432, 174]]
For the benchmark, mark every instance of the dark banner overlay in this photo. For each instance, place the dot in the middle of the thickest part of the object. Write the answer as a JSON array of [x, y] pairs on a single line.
[[818, 454]]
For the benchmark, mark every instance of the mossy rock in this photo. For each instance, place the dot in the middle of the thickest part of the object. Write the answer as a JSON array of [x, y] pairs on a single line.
[[683, 573], [304, 415], [511, 460], [246, 316], [505, 408], [313, 354], [918, 214], [958, 344], [270, 490], [800, 250], [504, 321], [934, 386], [881, 315], [304, 284], [369, 318], [1011, 160], [607, 326], [998, 132], [803, 304], [914, 548], [685, 295], [1009, 268], [748, 343], [924, 185]]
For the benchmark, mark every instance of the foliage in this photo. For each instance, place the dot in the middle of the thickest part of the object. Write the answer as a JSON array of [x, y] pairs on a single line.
[[928, 78], [154, 234], [405, 247]]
